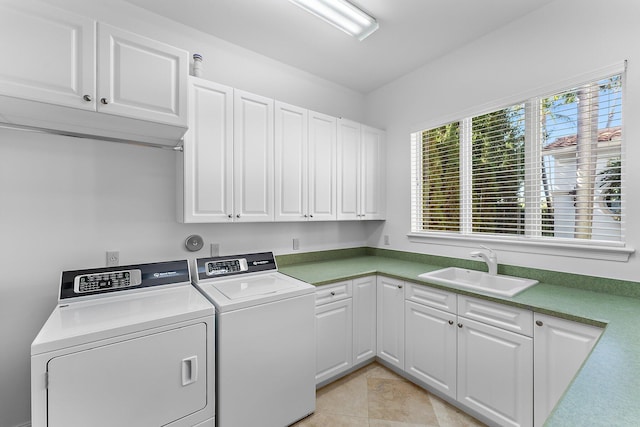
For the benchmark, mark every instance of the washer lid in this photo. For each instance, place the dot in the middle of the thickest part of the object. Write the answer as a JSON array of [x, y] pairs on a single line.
[[244, 291], [246, 287]]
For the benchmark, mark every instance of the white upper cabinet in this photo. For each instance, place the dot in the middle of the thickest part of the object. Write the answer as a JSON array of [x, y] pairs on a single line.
[[248, 158], [291, 171], [305, 158], [253, 158], [322, 167], [56, 74], [348, 169], [140, 77], [205, 170], [360, 171], [372, 175], [48, 55], [226, 171]]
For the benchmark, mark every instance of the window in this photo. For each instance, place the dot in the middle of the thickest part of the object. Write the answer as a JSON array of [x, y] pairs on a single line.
[[546, 169]]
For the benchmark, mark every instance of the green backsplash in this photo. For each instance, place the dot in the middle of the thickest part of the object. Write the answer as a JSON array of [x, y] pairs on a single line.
[[304, 257], [589, 283]]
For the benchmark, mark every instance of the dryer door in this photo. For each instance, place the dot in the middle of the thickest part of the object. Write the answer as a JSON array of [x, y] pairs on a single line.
[[148, 381]]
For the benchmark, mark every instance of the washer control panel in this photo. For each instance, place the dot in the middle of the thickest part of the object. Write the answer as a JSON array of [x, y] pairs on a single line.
[[107, 280], [218, 267]]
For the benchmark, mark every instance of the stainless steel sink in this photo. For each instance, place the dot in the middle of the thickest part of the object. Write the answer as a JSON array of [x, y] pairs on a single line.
[[496, 284]]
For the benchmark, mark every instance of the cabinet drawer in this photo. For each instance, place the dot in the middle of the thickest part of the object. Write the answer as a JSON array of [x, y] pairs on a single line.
[[333, 292], [432, 297], [503, 316]]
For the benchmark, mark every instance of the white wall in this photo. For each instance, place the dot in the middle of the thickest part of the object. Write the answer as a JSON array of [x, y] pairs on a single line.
[[61, 209], [564, 39]]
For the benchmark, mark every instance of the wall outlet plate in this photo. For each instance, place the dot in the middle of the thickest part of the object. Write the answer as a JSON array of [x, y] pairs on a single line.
[[215, 249], [113, 258]]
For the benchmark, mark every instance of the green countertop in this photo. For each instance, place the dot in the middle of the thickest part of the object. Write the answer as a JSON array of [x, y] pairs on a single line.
[[606, 391]]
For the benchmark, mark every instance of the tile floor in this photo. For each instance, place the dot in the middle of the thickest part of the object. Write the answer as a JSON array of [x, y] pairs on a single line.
[[374, 396]]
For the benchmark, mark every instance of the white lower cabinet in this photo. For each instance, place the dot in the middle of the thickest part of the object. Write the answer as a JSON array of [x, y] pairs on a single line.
[[431, 346], [561, 346], [474, 351], [364, 319], [390, 331], [345, 326], [334, 339], [501, 362], [495, 375]]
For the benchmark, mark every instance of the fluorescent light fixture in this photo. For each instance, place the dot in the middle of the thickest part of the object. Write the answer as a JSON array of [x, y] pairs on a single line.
[[342, 15]]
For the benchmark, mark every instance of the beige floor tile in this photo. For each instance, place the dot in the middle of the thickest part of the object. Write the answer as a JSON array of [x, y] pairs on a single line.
[[385, 423], [324, 419], [347, 396], [399, 400], [387, 399], [375, 370], [450, 416]]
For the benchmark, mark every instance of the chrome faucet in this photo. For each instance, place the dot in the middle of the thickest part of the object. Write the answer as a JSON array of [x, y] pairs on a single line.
[[491, 259]]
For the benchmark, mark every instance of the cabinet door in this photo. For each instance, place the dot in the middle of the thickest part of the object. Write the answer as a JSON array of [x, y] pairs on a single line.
[[364, 319], [495, 373], [48, 54], [322, 167], [431, 343], [148, 381], [348, 169], [253, 153], [208, 154], [561, 346], [334, 339], [390, 331], [141, 78], [372, 188], [291, 152]]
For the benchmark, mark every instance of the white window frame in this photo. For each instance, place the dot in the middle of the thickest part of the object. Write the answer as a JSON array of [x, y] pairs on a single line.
[[530, 243]]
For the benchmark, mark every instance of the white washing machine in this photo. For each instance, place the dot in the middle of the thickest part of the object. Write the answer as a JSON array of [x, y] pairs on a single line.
[[126, 346], [265, 340]]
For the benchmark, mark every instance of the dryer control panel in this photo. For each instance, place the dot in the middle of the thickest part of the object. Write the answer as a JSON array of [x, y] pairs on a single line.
[[94, 282], [107, 280]]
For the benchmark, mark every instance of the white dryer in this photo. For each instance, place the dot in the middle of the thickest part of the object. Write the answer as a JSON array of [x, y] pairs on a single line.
[[265, 340], [126, 346]]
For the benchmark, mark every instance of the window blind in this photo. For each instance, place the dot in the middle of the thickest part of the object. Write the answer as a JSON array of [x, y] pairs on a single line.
[[497, 170], [547, 168], [581, 161]]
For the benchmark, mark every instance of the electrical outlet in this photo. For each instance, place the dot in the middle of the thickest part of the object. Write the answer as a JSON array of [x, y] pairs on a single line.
[[215, 249], [386, 239], [113, 258], [296, 243]]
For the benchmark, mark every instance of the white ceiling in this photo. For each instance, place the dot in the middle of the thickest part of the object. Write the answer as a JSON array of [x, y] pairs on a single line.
[[412, 32]]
